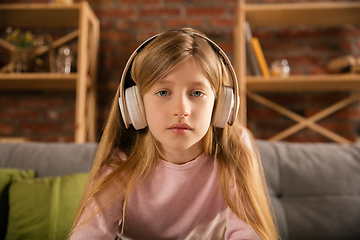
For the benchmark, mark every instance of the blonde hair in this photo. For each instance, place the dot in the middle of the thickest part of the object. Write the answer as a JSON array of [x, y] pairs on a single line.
[[240, 171]]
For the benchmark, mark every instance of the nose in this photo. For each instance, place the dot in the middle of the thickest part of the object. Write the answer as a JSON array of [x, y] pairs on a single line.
[[181, 106]]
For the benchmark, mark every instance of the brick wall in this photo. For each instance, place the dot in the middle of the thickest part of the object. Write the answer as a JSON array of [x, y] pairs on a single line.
[[49, 116]]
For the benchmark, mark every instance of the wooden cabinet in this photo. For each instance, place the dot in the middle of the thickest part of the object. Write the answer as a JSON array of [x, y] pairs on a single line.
[[83, 81], [293, 14]]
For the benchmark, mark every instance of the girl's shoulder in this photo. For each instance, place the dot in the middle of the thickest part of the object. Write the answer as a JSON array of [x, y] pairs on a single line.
[[118, 156], [116, 159]]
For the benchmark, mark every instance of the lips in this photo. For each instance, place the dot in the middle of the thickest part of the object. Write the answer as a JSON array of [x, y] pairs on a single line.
[[180, 128]]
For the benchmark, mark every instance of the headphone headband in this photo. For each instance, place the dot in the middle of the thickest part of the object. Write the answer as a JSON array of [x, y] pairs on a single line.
[[122, 104]]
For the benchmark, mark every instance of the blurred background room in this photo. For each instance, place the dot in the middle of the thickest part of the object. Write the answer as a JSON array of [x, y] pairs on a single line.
[[43, 113], [298, 68]]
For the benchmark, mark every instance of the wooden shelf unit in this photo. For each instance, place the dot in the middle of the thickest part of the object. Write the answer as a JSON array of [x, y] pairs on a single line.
[[84, 81], [287, 15], [301, 83], [38, 81], [39, 14]]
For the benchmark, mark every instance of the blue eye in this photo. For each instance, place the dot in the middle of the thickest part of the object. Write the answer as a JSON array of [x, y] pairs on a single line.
[[197, 94], [163, 93]]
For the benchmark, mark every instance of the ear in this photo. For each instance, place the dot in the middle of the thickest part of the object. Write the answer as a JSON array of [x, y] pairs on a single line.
[[224, 107], [135, 108]]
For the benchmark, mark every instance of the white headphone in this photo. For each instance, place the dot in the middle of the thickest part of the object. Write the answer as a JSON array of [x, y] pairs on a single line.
[[132, 106]]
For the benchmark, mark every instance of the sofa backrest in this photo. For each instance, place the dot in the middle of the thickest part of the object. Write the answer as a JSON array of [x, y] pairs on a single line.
[[314, 188], [48, 159]]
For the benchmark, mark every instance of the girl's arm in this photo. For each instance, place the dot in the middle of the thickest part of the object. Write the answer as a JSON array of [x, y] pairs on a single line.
[[100, 218], [237, 229]]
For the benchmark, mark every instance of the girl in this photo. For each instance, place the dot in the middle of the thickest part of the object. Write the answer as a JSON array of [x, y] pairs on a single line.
[[174, 162]]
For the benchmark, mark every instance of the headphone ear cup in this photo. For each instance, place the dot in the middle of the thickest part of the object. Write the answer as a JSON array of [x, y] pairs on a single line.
[[224, 107], [135, 108]]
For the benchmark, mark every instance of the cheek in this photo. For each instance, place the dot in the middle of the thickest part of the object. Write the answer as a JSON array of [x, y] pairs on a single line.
[[149, 109], [206, 114], [152, 113]]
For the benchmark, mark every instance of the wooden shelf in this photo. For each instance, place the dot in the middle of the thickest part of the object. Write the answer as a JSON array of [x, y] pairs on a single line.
[[29, 15], [301, 83], [81, 17], [310, 14], [37, 81]]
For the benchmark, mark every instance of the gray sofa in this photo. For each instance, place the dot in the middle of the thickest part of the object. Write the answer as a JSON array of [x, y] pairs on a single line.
[[314, 188]]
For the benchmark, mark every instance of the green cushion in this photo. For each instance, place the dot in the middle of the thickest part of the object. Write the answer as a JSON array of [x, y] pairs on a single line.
[[44, 208], [7, 176]]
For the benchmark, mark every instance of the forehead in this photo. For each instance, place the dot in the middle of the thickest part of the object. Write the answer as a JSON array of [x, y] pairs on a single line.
[[187, 72]]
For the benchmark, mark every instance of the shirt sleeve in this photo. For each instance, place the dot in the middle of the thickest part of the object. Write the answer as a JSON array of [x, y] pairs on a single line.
[[237, 229], [101, 217]]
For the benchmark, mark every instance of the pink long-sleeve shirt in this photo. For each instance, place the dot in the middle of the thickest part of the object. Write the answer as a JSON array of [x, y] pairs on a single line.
[[174, 202]]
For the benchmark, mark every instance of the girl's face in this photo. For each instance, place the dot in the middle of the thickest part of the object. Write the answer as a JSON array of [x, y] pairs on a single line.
[[178, 111]]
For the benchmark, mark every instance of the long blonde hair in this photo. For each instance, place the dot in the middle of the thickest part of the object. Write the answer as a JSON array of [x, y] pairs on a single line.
[[240, 171]]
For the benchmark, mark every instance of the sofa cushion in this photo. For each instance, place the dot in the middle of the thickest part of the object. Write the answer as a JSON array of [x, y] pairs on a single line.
[[48, 159], [7, 176], [44, 208], [314, 188]]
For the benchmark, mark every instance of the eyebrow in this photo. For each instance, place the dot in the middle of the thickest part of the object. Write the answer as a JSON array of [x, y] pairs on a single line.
[[200, 84], [163, 81], [193, 83]]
